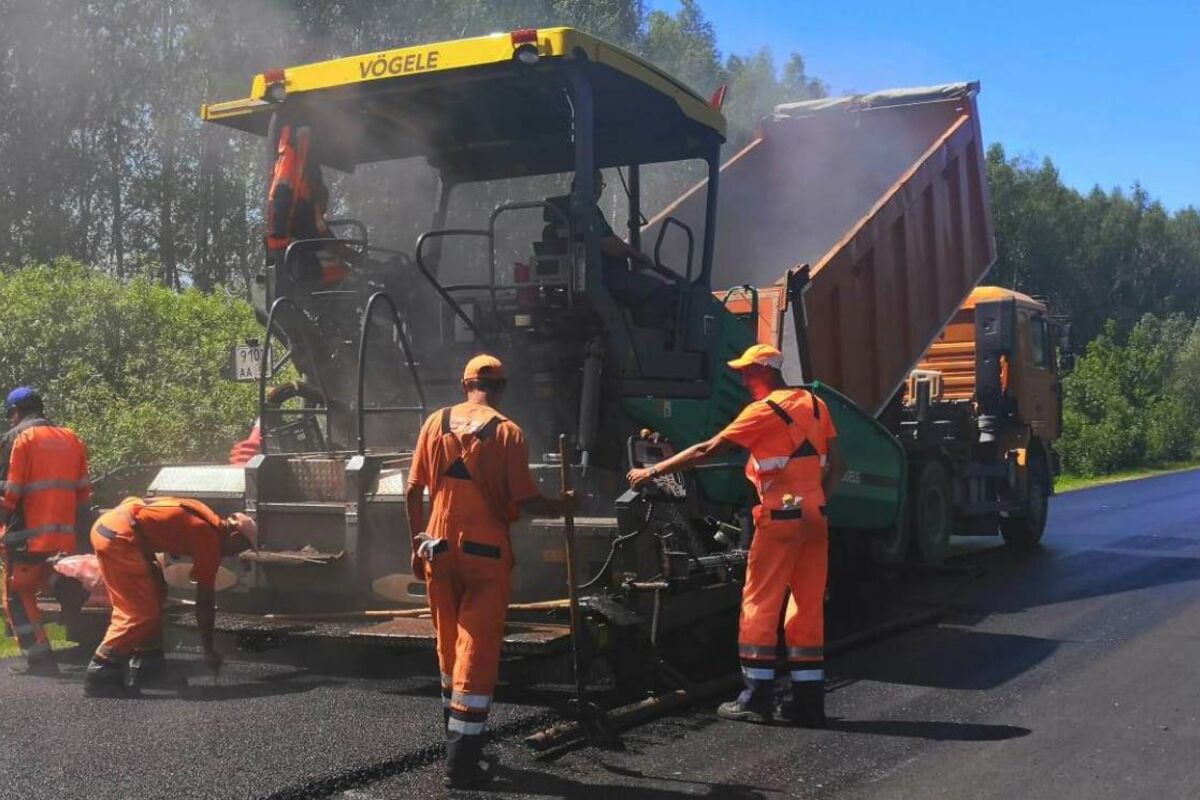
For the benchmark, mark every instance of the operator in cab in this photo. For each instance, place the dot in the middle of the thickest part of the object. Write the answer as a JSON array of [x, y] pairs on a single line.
[[296, 211], [126, 540], [794, 464], [475, 463], [650, 300], [43, 488]]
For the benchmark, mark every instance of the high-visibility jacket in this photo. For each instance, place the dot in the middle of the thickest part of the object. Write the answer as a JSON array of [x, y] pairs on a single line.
[[292, 209], [173, 525], [787, 434], [46, 482], [289, 186]]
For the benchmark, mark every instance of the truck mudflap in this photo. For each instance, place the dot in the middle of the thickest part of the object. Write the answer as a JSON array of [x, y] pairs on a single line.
[[871, 495]]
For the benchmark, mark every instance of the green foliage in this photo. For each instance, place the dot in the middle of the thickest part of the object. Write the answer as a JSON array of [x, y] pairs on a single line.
[[1134, 400], [103, 157], [1104, 255], [134, 368]]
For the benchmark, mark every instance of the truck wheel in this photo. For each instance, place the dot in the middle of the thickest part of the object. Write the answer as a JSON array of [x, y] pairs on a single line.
[[932, 515], [1025, 532]]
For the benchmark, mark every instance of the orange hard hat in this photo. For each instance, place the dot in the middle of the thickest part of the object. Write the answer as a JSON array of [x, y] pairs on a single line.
[[759, 354], [484, 367]]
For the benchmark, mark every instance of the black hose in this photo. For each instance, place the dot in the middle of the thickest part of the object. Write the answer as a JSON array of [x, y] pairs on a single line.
[[612, 550]]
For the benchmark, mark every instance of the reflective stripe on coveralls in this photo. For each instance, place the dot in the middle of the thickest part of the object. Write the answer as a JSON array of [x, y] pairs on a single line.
[[476, 466], [45, 482], [126, 540], [788, 435], [23, 581]]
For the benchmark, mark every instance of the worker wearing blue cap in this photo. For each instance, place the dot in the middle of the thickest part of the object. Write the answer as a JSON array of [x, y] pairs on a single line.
[[44, 481]]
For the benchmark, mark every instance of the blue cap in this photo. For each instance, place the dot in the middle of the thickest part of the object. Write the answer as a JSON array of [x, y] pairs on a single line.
[[19, 396]]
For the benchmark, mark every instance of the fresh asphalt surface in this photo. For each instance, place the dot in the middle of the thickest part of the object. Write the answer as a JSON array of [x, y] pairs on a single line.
[[1072, 673]]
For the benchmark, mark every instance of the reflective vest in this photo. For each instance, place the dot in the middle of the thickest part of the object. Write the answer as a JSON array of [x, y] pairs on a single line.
[[46, 483], [786, 464], [292, 211], [289, 186]]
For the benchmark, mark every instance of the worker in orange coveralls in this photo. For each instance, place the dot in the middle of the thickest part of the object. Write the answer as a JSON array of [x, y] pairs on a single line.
[[475, 463], [126, 540], [794, 464], [43, 483]]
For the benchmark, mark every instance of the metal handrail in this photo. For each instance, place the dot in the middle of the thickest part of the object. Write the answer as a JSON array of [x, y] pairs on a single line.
[[433, 281], [348, 243], [526, 205], [266, 359], [744, 289], [691, 239], [361, 411]]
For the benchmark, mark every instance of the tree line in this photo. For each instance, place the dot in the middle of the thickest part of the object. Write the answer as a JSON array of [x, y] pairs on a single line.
[[105, 160], [104, 163]]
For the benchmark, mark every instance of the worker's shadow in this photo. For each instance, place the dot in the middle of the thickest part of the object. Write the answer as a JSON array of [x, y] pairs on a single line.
[[934, 731], [531, 782]]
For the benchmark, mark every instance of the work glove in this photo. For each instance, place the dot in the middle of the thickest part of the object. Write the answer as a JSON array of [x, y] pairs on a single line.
[[428, 547]]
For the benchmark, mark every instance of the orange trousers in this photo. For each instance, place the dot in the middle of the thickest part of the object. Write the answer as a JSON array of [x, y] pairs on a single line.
[[23, 581], [789, 562], [137, 594], [469, 586]]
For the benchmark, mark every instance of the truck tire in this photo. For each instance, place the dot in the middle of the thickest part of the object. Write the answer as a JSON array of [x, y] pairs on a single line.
[[932, 513], [1024, 533]]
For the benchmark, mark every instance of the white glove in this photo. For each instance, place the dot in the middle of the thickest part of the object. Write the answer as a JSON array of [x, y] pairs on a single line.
[[429, 547]]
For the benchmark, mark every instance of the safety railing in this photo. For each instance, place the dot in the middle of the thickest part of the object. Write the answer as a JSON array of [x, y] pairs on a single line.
[[364, 336], [447, 291], [263, 416]]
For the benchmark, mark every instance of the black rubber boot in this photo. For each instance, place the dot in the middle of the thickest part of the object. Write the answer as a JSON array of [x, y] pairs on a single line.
[[466, 766], [755, 704], [807, 707], [105, 679], [40, 664], [147, 669]]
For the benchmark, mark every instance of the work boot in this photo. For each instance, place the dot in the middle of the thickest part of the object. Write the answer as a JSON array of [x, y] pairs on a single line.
[[41, 664], [807, 706], [147, 669], [756, 703], [105, 678], [466, 766]]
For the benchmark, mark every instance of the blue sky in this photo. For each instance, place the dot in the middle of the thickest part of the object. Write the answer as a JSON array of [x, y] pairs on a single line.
[[1109, 90]]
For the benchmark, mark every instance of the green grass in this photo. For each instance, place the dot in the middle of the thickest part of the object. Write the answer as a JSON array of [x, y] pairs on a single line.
[[1070, 483], [56, 632]]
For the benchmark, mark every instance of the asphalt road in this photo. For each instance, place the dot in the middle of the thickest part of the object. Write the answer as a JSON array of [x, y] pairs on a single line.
[[1068, 674]]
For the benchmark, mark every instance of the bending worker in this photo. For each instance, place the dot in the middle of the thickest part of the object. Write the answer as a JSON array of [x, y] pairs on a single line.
[[475, 463], [794, 464], [44, 474], [126, 540]]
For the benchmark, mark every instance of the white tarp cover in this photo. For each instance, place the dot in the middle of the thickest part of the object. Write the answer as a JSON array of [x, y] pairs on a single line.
[[889, 97]]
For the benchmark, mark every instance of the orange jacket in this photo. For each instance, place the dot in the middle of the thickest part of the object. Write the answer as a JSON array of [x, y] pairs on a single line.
[[293, 210], [787, 434], [46, 482], [172, 525]]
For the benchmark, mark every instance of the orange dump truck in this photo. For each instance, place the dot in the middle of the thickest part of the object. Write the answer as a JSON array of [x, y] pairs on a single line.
[[874, 209]]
